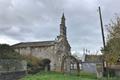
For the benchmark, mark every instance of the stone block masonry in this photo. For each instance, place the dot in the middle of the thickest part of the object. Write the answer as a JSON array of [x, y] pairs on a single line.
[[12, 75]]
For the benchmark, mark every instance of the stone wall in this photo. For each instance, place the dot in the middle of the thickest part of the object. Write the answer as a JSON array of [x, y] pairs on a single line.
[[12, 75], [45, 52], [12, 69], [89, 66], [10, 65]]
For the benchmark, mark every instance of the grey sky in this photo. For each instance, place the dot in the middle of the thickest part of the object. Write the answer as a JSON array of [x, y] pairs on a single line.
[[38, 20]]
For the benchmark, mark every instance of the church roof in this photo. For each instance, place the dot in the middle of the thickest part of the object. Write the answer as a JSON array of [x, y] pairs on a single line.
[[34, 44]]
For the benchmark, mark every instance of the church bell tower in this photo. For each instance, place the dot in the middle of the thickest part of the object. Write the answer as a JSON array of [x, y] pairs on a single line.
[[63, 27]]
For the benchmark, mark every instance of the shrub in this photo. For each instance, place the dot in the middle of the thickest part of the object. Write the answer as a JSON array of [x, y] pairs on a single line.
[[7, 52], [33, 63]]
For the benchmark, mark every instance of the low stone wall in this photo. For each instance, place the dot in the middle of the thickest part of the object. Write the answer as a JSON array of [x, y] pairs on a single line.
[[12, 69], [12, 75], [90, 67], [9, 65], [115, 69]]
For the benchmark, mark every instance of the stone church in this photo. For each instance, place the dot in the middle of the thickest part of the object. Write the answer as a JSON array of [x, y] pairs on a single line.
[[52, 50]]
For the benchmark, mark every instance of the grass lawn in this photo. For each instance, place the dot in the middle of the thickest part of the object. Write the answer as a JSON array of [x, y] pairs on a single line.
[[60, 76]]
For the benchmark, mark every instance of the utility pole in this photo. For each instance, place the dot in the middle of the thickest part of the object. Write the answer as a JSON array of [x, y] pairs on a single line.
[[102, 30], [103, 38]]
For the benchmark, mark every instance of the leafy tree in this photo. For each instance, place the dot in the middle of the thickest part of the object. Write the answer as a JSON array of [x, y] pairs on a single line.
[[33, 63], [112, 49], [7, 52]]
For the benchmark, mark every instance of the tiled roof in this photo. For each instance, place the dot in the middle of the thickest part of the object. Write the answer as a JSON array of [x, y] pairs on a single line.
[[93, 58], [32, 44]]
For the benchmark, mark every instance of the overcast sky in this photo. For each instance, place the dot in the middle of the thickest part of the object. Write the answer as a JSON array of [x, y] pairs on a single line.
[[38, 20]]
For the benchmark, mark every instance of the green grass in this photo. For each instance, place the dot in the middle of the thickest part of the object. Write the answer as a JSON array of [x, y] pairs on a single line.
[[60, 76], [56, 76], [88, 75], [113, 78]]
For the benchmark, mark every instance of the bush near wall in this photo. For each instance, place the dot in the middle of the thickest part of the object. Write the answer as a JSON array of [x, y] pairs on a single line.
[[33, 63], [7, 52]]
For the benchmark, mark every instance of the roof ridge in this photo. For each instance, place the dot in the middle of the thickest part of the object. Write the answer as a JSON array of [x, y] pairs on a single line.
[[36, 43]]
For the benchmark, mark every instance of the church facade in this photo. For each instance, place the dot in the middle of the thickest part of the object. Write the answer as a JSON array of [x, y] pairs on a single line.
[[52, 50]]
